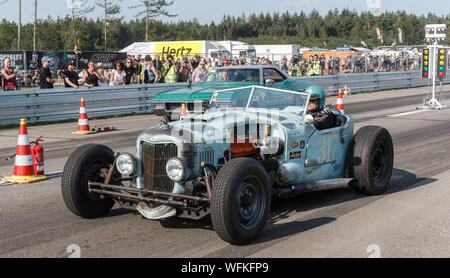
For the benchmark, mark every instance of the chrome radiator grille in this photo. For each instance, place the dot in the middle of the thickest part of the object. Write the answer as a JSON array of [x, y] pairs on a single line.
[[154, 161]]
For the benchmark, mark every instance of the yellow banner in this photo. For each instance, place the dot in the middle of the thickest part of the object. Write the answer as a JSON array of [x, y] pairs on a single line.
[[178, 49]]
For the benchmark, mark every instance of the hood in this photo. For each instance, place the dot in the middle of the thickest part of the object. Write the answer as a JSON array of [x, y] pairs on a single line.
[[200, 91]]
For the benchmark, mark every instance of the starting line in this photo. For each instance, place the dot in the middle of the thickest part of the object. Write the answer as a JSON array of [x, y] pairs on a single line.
[[49, 177]]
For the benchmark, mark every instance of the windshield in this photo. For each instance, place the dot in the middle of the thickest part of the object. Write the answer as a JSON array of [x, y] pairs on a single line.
[[261, 97], [233, 75]]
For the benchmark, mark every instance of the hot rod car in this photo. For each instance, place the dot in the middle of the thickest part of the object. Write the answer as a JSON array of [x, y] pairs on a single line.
[[252, 145]]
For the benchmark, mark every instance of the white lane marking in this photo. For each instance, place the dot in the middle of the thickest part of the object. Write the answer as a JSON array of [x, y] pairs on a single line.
[[408, 113]]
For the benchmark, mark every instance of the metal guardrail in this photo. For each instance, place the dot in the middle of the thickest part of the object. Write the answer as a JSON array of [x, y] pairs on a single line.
[[63, 104], [363, 82]]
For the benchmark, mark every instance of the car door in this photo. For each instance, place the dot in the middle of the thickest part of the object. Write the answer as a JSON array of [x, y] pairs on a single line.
[[325, 154]]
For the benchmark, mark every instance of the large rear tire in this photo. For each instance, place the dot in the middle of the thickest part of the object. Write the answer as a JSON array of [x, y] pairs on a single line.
[[240, 202], [372, 160], [85, 165]]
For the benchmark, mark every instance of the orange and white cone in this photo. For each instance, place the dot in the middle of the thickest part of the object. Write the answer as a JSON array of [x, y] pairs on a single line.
[[183, 111], [340, 103], [346, 93], [23, 166], [83, 122]]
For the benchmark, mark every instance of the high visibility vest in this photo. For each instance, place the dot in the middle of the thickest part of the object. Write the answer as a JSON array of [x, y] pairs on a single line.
[[315, 68], [171, 76], [299, 71], [142, 73]]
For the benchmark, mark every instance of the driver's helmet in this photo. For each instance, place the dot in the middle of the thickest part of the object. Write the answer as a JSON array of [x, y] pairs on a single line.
[[317, 93]]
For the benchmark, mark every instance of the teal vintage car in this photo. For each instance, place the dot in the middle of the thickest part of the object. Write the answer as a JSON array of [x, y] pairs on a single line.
[[196, 97], [253, 144]]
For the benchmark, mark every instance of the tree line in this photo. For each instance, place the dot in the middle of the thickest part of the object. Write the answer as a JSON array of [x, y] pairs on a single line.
[[336, 28]]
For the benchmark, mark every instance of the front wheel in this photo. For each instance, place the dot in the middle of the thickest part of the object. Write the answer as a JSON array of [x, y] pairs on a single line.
[[85, 165], [240, 201], [372, 160]]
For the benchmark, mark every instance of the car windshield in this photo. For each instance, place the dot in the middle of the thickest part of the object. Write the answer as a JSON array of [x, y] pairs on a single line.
[[261, 97], [233, 75]]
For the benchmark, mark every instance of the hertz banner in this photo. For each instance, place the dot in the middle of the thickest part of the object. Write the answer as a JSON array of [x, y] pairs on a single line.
[[178, 49]]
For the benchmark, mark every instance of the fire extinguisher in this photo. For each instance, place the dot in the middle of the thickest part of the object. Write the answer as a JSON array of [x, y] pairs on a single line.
[[37, 152]]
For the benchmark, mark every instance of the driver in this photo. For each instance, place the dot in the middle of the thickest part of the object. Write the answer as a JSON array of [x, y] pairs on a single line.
[[324, 118]]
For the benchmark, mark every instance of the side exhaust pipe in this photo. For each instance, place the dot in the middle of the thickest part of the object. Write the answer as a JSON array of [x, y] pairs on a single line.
[[323, 185]]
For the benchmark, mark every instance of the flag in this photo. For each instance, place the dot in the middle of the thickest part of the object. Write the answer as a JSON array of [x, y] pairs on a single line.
[[378, 10], [379, 33], [394, 43], [400, 35]]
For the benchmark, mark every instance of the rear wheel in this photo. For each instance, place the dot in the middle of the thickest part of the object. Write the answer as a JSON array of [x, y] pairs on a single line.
[[240, 201], [85, 165], [372, 159]]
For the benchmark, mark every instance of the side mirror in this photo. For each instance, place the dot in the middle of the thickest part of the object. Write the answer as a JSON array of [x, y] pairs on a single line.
[[308, 119], [269, 82]]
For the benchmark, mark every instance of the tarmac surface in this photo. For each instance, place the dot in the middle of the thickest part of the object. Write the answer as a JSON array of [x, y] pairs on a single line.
[[411, 220]]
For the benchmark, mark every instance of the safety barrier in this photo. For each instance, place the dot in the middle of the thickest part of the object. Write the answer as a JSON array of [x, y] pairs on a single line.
[[63, 104], [362, 82]]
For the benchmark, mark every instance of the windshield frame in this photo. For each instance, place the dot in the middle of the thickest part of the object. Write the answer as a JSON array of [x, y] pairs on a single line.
[[254, 88], [205, 79]]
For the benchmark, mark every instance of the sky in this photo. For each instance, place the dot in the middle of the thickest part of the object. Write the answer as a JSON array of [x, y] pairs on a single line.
[[208, 10]]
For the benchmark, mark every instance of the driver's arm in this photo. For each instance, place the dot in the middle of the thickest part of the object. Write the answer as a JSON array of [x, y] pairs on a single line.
[[325, 120]]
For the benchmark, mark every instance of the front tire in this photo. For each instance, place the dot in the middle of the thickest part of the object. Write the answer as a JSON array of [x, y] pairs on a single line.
[[240, 202], [84, 165], [372, 159]]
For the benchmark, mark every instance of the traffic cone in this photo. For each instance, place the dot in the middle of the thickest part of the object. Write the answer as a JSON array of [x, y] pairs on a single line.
[[346, 93], [340, 103], [83, 122], [23, 165], [183, 110]]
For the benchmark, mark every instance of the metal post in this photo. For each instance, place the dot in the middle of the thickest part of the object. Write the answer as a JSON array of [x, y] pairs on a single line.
[[19, 25]]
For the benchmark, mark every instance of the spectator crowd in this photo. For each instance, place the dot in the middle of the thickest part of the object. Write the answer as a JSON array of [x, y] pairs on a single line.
[[167, 69]]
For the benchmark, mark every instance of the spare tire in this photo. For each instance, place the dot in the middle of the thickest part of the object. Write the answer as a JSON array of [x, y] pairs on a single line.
[[372, 159]]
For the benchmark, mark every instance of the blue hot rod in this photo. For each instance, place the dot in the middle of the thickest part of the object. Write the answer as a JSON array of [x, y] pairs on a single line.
[[252, 145]]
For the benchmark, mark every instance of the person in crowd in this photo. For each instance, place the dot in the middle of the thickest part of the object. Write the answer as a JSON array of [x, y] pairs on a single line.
[[151, 75], [103, 79], [184, 71], [130, 72], [118, 75], [199, 73], [169, 71], [9, 75], [70, 76], [91, 77], [314, 67], [46, 81]]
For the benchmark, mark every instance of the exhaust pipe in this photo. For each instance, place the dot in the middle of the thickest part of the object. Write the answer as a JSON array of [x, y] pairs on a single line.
[[323, 185]]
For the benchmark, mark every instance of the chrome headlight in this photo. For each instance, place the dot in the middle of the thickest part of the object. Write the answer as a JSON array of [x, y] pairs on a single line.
[[175, 169], [126, 164]]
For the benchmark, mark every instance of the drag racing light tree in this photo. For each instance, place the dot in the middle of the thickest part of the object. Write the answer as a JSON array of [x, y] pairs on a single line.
[[426, 63], [432, 37], [442, 63]]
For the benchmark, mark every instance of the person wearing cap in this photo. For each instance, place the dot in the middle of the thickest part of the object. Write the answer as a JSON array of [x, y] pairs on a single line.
[[324, 118], [70, 76], [46, 81]]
